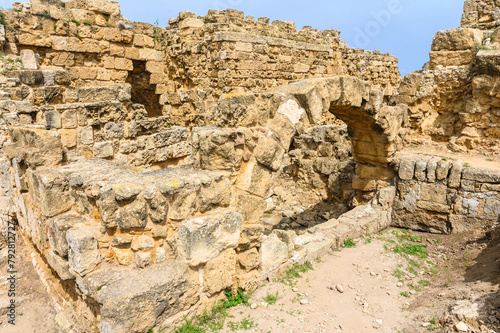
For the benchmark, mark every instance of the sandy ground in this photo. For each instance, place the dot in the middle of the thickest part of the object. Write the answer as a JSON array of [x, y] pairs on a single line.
[[461, 273]]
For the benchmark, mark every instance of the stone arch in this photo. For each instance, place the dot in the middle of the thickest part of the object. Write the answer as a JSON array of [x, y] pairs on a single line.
[[374, 125]]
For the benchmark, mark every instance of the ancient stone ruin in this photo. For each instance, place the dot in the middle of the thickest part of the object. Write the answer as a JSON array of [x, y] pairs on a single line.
[[153, 168]]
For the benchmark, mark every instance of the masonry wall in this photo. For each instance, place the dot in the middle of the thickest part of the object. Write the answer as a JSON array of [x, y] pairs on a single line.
[[438, 195], [183, 69]]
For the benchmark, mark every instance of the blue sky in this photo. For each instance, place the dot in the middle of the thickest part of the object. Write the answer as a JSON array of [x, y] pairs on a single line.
[[404, 28]]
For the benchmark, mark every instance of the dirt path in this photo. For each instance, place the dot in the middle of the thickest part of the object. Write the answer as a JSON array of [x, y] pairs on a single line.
[[384, 291], [34, 308]]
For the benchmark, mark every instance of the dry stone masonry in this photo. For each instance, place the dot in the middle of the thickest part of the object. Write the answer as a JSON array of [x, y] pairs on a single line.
[[155, 168]]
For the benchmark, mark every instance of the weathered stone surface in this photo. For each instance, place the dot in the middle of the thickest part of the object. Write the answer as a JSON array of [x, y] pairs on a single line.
[[456, 39], [251, 207], [274, 252], [124, 257], [484, 175], [433, 192], [83, 254], [133, 215], [49, 190], [103, 149], [269, 153], [250, 259], [202, 239], [455, 174], [58, 227], [406, 169], [217, 194], [288, 237], [59, 265], [170, 287], [219, 273], [254, 178], [37, 147], [29, 59], [142, 243]]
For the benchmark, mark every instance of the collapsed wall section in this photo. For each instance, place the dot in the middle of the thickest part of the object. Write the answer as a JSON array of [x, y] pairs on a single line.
[[454, 99]]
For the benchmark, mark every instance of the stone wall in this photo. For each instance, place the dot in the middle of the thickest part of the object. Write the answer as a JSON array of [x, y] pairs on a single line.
[[181, 71], [453, 100], [444, 196]]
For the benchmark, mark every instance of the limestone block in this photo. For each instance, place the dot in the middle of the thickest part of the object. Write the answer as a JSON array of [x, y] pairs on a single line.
[[68, 137], [58, 227], [455, 174], [433, 206], [442, 170], [170, 286], [251, 207], [288, 237], [143, 41], [254, 178], [237, 110], [274, 252], [184, 204], [133, 215], [107, 207], [142, 243], [217, 150], [407, 169], [482, 174], [190, 23], [83, 253], [103, 149], [217, 194], [160, 255], [451, 58], [34, 39], [421, 220], [250, 259], [433, 192], [170, 137], [154, 67], [59, 265], [69, 119], [49, 191], [121, 240], [202, 239], [158, 209], [456, 39], [52, 119], [366, 185], [269, 153], [148, 55], [421, 170], [124, 257], [103, 6], [86, 135], [219, 273], [487, 62], [432, 165], [37, 147], [326, 165], [29, 59], [143, 259]]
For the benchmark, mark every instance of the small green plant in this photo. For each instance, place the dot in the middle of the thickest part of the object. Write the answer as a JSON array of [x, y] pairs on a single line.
[[47, 15], [318, 260], [368, 240], [234, 300], [433, 321], [405, 294], [75, 22], [99, 288], [290, 277], [466, 165], [79, 37], [349, 243], [245, 324], [444, 159], [271, 298], [86, 22], [2, 19], [489, 159], [424, 283]]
